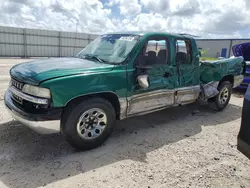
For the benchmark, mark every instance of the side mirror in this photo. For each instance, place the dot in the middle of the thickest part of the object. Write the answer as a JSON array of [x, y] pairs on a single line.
[[143, 81], [142, 72]]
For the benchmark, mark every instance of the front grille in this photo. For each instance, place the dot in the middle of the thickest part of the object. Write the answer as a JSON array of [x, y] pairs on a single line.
[[17, 84]]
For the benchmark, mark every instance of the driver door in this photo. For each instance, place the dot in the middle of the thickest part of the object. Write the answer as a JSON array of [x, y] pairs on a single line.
[[161, 79]]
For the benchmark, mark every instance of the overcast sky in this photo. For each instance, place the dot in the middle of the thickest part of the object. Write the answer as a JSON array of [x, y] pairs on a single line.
[[206, 18]]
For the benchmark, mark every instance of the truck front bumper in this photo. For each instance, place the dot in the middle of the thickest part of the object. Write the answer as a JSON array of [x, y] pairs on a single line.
[[46, 123]]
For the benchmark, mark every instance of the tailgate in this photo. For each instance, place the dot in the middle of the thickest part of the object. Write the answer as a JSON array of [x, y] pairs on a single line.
[[243, 144]]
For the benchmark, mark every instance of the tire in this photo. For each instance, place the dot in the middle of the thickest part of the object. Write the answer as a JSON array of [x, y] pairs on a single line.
[[77, 129], [221, 100]]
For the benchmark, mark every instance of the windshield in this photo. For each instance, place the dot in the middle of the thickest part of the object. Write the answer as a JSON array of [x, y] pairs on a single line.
[[112, 48]]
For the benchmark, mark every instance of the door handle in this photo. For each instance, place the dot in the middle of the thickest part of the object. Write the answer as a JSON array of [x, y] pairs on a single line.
[[167, 74]]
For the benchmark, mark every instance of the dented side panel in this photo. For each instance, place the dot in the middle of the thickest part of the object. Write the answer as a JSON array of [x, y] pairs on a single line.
[[149, 101], [187, 95], [209, 90], [156, 100], [216, 70]]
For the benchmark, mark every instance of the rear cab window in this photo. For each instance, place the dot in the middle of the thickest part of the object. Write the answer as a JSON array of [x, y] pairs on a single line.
[[183, 51]]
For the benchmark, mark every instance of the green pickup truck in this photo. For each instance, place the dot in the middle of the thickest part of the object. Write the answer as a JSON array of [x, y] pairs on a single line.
[[118, 75]]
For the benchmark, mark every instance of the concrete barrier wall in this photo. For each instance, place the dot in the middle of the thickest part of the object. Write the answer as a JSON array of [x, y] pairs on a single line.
[[21, 42]]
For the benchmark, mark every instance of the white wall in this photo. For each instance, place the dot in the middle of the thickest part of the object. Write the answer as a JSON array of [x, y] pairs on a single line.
[[23, 42], [213, 47]]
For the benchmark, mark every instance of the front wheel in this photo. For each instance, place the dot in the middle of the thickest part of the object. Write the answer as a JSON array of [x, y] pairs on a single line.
[[88, 124], [221, 100]]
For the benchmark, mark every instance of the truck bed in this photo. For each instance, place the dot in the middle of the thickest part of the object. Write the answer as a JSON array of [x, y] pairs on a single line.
[[216, 70]]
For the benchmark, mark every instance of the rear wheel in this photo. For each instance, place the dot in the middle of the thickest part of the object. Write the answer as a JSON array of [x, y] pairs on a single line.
[[221, 100], [88, 124]]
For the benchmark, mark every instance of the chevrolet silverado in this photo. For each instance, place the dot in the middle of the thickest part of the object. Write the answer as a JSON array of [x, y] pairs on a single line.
[[116, 76]]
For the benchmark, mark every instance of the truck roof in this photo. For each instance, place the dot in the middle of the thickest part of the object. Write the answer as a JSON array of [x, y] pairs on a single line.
[[149, 33]]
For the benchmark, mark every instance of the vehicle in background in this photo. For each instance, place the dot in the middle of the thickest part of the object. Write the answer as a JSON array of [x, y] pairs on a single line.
[[117, 76], [244, 51], [243, 144]]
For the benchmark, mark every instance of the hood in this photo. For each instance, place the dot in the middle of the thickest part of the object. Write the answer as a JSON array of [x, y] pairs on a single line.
[[242, 50], [34, 72]]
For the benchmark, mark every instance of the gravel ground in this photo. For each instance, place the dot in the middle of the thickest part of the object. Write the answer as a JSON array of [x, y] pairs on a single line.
[[189, 146]]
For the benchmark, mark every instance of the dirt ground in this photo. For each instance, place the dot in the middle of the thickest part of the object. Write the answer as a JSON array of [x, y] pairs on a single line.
[[189, 146]]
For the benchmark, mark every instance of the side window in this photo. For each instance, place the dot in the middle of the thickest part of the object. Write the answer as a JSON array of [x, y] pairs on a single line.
[[183, 52], [156, 52]]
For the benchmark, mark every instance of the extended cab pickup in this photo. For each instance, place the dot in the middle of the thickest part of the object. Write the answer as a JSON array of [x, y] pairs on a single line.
[[116, 76]]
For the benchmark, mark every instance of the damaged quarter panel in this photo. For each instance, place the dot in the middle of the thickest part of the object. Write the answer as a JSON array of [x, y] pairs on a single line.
[[216, 70], [64, 89]]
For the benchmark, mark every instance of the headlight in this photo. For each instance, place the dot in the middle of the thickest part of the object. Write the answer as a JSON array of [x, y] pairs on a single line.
[[36, 91]]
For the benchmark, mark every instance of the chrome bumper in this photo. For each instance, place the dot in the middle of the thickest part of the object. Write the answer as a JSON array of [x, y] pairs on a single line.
[[33, 121], [238, 80]]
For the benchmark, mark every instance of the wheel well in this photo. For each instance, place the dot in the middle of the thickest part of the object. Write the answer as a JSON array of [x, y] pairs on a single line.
[[109, 96], [229, 78]]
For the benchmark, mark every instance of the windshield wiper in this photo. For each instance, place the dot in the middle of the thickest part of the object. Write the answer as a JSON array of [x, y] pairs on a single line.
[[94, 57]]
